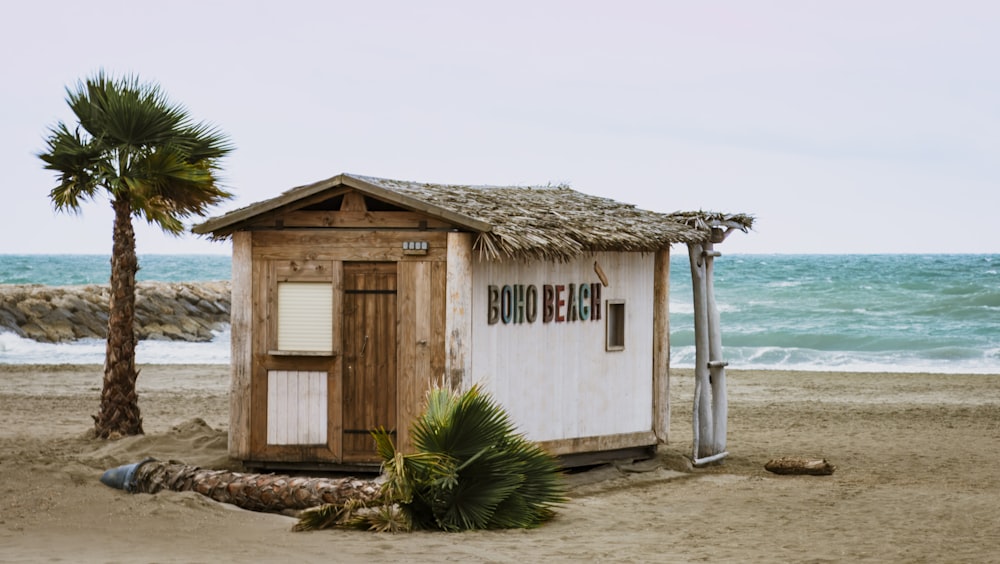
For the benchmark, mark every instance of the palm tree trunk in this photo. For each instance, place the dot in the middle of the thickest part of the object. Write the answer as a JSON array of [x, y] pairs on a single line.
[[119, 415], [256, 492]]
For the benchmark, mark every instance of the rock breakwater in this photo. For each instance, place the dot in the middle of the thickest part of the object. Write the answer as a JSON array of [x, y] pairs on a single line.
[[176, 311]]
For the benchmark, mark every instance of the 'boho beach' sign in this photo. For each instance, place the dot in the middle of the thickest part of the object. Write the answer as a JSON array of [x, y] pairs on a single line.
[[520, 303]]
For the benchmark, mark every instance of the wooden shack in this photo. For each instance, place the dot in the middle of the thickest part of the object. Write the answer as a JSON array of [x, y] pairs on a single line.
[[353, 296]]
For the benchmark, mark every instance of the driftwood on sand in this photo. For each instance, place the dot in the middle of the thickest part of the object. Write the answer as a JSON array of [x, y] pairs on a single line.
[[791, 465]]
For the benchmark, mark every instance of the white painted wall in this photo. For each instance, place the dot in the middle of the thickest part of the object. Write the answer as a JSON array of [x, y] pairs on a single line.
[[556, 380]]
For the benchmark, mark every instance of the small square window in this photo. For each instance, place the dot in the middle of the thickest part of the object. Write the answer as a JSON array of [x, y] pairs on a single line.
[[616, 325]]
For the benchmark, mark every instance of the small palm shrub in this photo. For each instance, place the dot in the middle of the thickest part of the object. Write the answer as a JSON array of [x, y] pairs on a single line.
[[471, 470]]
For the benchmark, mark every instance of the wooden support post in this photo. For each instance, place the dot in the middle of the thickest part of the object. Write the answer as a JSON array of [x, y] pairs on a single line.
[[661, 345], [710, 401], [458, 316], [241, 363], [702, 411]]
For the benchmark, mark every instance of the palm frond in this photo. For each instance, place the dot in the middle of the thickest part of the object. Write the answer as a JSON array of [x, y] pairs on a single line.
[[321, 517], [388, 518], [127, 112], [476, 471], [204, 143], [77, 160], [331, 515], [540, 492]]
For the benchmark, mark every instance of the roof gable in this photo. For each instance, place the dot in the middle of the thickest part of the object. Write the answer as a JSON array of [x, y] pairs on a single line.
[[304, 196]]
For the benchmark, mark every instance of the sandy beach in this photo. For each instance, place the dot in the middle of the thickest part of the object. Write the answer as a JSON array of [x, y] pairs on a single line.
[[916, 480]]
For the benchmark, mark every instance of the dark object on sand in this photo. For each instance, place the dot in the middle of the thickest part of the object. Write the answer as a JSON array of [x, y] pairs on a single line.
[[811, 467]]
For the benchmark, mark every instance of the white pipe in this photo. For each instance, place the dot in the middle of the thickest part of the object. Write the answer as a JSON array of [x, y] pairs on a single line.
[[708, 459], [716, 365]]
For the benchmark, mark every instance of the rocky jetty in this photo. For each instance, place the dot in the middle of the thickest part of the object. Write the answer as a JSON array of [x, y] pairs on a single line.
[[176, 311]]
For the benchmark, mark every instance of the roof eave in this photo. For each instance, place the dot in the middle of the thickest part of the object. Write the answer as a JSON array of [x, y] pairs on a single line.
[[226, 224]]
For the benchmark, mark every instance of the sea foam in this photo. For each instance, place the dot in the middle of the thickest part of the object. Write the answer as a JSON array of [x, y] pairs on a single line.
[[17, 350]]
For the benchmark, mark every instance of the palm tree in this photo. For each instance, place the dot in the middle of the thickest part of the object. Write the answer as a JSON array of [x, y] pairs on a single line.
[[153, 162]]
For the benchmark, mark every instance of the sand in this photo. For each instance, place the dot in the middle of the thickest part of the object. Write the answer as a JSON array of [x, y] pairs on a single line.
[[916, 480]]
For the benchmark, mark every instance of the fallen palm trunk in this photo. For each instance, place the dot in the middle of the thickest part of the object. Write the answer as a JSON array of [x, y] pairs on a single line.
[[256, 492], [807, 466]]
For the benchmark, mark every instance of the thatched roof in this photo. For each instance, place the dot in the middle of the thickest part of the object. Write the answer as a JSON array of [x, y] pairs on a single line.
[[512, 222], [709, 221]]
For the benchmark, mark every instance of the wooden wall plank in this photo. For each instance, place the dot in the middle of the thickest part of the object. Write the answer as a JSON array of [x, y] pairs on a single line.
[[406, 351], [241, 346], [272, 407], [316, 414], [279, 407], [661, 346], [458, 312], [335, 380], [424, 321], [303, 270], [362, 220], [438, 327], [599, 443], [262, 329], [360, 245], [354, 202]]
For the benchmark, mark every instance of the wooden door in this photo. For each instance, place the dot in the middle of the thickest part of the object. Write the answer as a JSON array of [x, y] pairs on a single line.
[[369, 361]]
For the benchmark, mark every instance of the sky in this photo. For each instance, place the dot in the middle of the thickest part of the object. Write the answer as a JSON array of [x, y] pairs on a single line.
[[844, 127]]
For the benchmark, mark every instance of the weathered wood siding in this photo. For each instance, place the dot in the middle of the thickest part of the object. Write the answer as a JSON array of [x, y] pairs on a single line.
[[241, 350], [421, 340], [458, 317], [556, 379], [265, 424], [661, 346]]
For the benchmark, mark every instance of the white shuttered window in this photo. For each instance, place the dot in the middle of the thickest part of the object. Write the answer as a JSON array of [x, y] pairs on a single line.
[[305, 316]]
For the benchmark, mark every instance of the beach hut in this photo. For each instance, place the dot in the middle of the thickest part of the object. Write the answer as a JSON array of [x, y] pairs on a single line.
[[353, 296]]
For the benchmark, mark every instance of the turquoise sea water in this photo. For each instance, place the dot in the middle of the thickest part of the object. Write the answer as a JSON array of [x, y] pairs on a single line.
[[885, 313], [59, 270], [881, 313]]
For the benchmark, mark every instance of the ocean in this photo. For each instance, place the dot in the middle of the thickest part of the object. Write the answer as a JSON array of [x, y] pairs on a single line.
[[870, 313]]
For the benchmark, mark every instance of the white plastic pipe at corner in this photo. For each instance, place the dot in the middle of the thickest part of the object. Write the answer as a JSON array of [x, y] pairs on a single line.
[[710, 459]]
